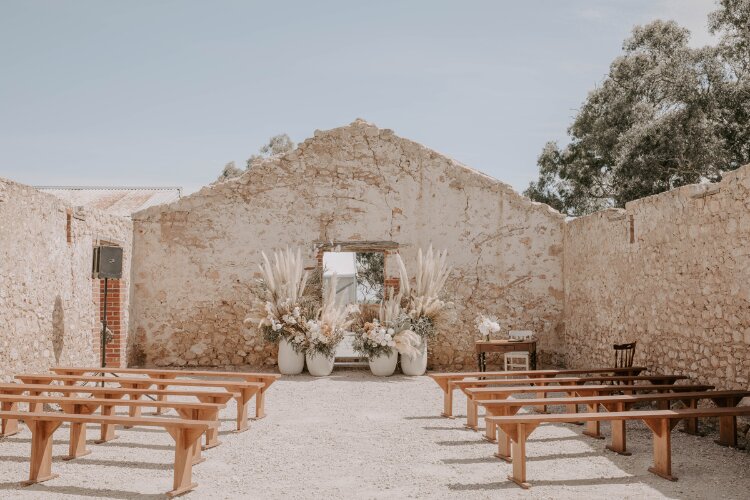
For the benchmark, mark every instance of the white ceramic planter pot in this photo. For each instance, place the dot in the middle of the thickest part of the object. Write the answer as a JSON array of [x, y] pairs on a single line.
[[418, 364], [318, 365], [290, 361], [384, 365]]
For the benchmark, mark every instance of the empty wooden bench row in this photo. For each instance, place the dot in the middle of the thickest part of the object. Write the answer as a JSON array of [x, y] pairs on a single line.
[[186, 434], [443, 380], [661, 422], [79, 402], [614, 392]]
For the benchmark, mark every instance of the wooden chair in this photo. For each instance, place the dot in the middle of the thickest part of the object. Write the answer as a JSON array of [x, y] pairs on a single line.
[[624, 354], [186, 434], [518, 360]]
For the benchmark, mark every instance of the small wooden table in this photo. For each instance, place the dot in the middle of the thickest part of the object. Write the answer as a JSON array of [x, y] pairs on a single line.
[[503, 346]]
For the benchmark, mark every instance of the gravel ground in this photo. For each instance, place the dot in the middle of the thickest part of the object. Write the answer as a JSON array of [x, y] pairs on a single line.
[[356, 436]]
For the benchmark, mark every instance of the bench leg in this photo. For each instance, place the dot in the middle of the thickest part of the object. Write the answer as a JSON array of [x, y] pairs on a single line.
[[503, 446], [77, 447], [260, 404], [134, 411], [490, 431], [691, 424], [41, 451], [518, 451], [619, 444], [107, 430], [185, 443], [727, 431], [591, 427], [160, 398], [8, 427], [242, 402], [662, 432], [472, 419], [447, 402]]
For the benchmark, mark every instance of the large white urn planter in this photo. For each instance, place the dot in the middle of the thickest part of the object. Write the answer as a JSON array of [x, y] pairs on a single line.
[[318, 365], [291, 362], [384, 365], [416, 365]]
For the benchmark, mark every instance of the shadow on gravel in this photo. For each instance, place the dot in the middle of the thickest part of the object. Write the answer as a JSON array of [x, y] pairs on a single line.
[[467, 442], [79, 491], [561, 482]]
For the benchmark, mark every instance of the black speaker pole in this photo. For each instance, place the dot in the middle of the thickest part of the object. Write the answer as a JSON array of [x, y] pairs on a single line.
[[104, 327]]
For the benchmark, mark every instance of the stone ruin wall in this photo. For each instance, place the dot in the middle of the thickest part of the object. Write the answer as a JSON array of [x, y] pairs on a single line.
[[194, 259], [48, 309], [681, 289]]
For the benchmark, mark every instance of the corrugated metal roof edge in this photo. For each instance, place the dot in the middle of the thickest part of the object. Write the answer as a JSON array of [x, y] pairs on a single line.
[[115, 188]]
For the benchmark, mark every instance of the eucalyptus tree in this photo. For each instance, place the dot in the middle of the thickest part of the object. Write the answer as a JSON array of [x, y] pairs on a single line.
[[666, 115]]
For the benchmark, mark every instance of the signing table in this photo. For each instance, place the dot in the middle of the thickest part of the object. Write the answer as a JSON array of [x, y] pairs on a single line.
[[503, 346]]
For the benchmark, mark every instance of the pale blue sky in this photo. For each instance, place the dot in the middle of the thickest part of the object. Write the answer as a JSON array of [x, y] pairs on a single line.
[[167, 92]]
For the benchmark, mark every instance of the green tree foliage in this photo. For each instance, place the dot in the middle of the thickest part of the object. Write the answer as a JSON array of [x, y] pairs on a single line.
[[666, 115], [230, 170], [370, 277], [276, 145]]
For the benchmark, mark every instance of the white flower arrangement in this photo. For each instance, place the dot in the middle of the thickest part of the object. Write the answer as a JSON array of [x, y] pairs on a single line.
[[390, 331], [487, 325]]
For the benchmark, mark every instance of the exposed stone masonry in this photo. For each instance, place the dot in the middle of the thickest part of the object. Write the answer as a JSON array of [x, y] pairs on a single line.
[[193, 259], [48, 313]]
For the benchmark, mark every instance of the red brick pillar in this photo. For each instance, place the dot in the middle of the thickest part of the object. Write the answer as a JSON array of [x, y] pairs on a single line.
[[115, 348]]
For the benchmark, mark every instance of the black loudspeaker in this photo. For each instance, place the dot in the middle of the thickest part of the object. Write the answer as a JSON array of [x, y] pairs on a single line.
[[107, 262]]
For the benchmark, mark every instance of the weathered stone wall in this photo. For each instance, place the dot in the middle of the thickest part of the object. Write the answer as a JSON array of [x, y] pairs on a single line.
[[48, 312], [681, 289], [193, 259]]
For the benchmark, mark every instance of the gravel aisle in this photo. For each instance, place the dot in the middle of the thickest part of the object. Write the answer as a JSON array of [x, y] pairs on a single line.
[[356, 436]]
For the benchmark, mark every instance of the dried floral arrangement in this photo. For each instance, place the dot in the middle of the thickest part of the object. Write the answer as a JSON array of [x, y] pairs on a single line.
[[285, 298], [325, 332], [288, 305], [423, 303], [389, 331]]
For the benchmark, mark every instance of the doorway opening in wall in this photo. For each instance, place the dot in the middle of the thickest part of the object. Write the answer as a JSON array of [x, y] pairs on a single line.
[[360, 280]]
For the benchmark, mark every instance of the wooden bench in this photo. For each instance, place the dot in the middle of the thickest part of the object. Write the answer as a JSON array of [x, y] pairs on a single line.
[[186, 434], [10, 427], [242, 391], [661, 423], [443, 379], [620, 403], [265, 378], [86, 406], [474, 394]]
